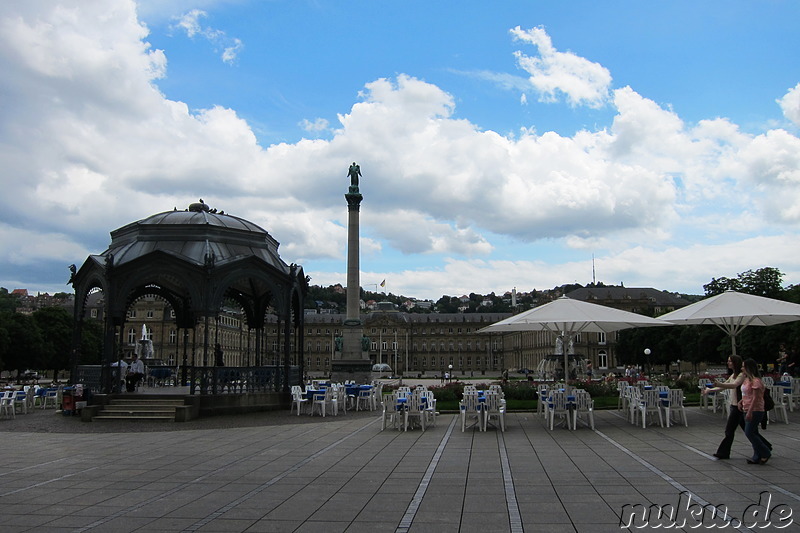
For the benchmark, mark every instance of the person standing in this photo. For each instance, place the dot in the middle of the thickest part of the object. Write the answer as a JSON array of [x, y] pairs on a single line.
[[782, 362], [791, 366], [752, 405]]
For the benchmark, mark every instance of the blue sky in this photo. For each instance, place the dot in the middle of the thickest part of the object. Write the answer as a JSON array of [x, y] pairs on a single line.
[[502, 144]]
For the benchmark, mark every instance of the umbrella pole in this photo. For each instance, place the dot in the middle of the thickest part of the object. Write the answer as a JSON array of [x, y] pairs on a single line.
[[733, 344]]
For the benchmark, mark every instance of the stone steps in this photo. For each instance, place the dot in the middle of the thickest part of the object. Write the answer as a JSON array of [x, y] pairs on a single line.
[[139, 409]]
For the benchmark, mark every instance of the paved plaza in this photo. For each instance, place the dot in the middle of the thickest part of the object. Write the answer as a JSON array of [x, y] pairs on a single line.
[[275, 472]]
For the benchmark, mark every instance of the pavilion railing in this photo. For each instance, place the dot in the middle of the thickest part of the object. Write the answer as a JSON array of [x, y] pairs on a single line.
[[203, 380], [240, 379]]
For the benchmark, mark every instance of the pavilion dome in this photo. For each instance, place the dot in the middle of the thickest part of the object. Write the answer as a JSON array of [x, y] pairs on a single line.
[[194, 236]]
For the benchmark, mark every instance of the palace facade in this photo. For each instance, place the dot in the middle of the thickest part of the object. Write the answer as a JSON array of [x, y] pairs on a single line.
[[411, 343]]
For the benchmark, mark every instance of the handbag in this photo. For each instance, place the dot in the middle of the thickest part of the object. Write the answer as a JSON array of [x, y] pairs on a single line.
[[769, 403]]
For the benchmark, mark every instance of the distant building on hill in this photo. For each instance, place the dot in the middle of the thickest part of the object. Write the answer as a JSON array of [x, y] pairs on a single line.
[[642, 300]]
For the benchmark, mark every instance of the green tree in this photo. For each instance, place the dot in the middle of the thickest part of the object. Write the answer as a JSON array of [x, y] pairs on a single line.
[[720, 285], [8, 303], [5, 338], [55, 325], [448, 304], [765, 281], [26, 346], [91, 348]]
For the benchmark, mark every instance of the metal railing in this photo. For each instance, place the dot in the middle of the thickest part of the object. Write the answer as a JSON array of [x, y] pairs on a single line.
[[203, 380], [240, 379]]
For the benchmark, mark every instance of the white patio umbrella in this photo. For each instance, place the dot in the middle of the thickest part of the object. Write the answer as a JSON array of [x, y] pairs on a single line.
[[567, 317], [733, 311]]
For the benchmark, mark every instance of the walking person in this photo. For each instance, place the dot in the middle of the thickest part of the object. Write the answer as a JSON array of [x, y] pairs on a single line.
[[735, 418], [735, 415], [752, 406]]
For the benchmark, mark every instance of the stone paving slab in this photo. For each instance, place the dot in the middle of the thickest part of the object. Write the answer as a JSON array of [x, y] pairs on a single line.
[[345, 474]]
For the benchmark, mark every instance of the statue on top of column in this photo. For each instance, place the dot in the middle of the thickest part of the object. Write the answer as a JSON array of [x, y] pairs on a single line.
[[354, 173]]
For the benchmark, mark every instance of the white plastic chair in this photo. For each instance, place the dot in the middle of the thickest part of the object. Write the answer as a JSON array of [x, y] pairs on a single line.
[[38, 396], [702, 384], [498, 389], [622, 399], [469, 407], [364, 398], [649, 403], [332, 396], [7, 403], [18, 398], [794, 396], [341, 398], [781, 400], [375, 396], [632, 395], [494, 408], [298, 399], [430, 408], [320, 401], [392, 413], [543, 392], [673, 403], [557, 404], [415, 411], [51, 396], [30, 396], [583, 405]]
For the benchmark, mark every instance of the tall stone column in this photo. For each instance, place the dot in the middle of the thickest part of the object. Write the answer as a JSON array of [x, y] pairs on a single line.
[[351, 360], [353, 259]]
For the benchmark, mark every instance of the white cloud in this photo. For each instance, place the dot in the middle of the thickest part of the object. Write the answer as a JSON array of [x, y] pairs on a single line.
[[91, 144], [318, 125], [427, 235], [790, 104], [554, 73], [230, 53], [190, 23], [638, 266]]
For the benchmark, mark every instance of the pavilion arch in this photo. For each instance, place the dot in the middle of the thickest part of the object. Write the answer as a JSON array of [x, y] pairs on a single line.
[[196, 260]]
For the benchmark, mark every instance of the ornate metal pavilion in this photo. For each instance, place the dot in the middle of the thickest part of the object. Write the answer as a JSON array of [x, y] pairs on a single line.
[[196, 260]]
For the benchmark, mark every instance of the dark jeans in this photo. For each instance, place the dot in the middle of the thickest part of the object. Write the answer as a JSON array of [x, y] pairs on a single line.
[[735, 419], [131, 380], [760, 450]]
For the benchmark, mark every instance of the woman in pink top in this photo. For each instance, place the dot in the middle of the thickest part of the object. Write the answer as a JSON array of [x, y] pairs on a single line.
[[752, 406]]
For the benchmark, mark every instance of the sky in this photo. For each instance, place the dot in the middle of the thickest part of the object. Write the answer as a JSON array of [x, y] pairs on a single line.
[[515, 144]]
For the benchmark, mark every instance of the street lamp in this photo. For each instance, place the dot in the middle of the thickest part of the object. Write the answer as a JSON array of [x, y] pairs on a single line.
[[647, 361], [450, 373]]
